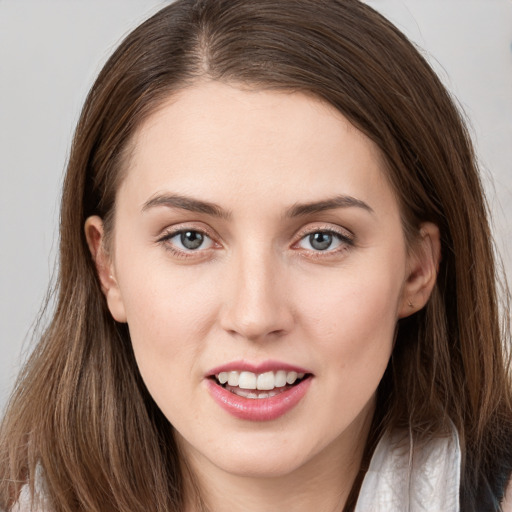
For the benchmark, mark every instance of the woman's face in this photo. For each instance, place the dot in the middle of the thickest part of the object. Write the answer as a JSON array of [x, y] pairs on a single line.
[[257, 240]]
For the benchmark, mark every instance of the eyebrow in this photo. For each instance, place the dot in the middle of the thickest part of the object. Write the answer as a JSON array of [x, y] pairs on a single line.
[[339, 201], [186, 203], [297, 210]]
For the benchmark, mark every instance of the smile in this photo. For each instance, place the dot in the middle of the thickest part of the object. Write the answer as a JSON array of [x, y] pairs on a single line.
[[257, 386], [258, 393]]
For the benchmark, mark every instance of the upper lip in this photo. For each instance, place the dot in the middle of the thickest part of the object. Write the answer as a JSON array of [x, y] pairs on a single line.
[[257, 368]]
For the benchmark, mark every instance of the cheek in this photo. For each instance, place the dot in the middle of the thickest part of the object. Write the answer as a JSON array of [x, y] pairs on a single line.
[[169, 315], [164, 302], [350, 328], [344, 303], [352, 317]]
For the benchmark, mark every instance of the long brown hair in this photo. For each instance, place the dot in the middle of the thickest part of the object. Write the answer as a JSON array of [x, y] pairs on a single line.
[[80, 410]]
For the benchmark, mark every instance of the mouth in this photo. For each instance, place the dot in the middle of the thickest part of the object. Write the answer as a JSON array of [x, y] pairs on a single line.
[[251, 385], [258, 392]]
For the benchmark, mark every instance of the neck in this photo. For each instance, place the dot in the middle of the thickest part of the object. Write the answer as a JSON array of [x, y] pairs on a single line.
[[322, 484]]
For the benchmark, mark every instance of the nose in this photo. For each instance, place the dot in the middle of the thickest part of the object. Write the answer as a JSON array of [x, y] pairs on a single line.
[[257, 302]]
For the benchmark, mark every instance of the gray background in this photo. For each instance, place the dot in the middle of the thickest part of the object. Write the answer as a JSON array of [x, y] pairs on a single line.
[[51, 50]]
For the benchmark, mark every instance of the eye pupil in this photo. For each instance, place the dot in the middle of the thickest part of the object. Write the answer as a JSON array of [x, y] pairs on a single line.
[[191, 239], [320, 241]]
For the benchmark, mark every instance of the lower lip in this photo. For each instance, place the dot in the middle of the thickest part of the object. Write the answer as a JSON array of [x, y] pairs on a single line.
[[258, 409]]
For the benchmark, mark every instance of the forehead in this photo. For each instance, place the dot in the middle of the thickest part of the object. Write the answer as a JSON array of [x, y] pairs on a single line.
[[224, 143]]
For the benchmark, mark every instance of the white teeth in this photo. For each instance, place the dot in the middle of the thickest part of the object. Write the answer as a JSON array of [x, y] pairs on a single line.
[[291, 377], [264, 381], [233, 378], [280, 380], [247, 380]]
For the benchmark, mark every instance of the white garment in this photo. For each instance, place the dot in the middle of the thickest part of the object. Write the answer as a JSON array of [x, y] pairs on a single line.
[[405, 478], [401, 477], [23, 504]]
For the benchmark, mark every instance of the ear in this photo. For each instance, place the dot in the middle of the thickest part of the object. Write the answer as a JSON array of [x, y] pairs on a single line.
[[94, 234], [422, 267]]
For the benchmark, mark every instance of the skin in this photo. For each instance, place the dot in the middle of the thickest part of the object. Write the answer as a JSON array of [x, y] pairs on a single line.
[[257, 289], [506, 506]]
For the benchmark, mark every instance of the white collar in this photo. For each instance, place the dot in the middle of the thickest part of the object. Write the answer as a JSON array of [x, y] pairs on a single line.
[[405, 477]]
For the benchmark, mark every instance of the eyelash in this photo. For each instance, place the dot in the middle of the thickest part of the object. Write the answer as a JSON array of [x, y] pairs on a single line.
[[171, 233], [346, 241]]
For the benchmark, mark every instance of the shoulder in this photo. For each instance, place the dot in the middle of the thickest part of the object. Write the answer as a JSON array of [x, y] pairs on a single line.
[[506, 506]]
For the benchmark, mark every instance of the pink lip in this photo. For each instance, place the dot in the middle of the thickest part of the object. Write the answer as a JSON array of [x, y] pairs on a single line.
[[257, 409], [266, 366]]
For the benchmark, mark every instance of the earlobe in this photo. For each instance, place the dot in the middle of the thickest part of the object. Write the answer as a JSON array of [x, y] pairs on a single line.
[[94, 234], [422, 268]]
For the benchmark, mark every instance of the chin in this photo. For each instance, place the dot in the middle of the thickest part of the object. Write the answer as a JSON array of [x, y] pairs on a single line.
[[261, 465], [251, 456]]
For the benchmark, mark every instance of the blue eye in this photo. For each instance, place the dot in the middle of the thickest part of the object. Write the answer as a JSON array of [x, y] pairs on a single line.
[[320, 241], [323, 241], [189, 240]]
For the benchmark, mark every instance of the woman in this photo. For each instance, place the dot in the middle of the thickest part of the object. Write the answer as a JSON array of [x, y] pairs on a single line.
[[277, 285]]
